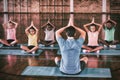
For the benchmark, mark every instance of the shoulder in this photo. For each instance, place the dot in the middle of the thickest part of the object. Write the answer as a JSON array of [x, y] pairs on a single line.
[[59, 38], [89, 32], [80, 39], [29, 35], [96, 31]]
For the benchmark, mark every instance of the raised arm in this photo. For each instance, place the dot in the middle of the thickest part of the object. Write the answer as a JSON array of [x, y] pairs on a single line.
[[87, 25], [71, 21], [4, 25], [82, 32], [27, 29], [113, 22], [99, 25], [59, 31], [44, 26], [104, 23], [110, 21], [51, 24], [16, 24], [34, 27]]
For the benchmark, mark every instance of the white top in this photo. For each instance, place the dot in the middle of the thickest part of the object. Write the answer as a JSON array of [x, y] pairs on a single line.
[[49, 35]]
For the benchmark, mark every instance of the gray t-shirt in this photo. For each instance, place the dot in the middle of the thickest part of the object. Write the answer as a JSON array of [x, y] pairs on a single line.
[[70, 52]]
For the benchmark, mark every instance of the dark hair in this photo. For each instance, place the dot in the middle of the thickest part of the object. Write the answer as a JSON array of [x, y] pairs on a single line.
[[109, 22], [10, 22], [32, 28], [93, 25], [70, 31], [49, 25]]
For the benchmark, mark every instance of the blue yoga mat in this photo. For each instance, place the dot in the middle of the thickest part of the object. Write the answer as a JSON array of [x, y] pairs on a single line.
[[102, 52], [11, 47], [118, 46], [48, 47], [18, 52], [54, 71]]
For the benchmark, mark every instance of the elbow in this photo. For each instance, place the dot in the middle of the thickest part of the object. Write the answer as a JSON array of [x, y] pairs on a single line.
[[26, 30], [36, 30], [56, 32], [84, 33]]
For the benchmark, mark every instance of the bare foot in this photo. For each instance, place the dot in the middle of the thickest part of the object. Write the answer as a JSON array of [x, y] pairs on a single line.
[[84, 59]]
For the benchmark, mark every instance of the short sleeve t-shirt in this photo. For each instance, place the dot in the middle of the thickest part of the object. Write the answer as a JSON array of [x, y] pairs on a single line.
[[32, 40], [70, 52], [109, 34]]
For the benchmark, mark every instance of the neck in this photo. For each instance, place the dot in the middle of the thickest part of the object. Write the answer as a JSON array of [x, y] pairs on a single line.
[[93, 31], [70, 37]]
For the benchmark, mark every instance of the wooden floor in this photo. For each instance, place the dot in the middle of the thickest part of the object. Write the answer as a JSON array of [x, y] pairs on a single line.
[[11, 66]]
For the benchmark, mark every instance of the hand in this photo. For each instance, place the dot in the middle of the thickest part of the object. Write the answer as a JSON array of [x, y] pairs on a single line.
[[49, 20], [108, 17], [31, 23], [10, 19], [70, 22], [93, 20]]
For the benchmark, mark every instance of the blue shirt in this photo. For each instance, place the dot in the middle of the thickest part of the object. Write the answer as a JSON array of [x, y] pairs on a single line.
[[70, 53]]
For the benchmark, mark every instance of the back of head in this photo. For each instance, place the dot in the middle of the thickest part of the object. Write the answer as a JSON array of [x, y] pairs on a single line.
[[70, 31]]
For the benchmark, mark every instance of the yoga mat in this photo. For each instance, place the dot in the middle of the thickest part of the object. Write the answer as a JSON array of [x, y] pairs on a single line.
[[48, 47], [118, 47], [11, 47], [18, 52], [54, 71], [102, 52]]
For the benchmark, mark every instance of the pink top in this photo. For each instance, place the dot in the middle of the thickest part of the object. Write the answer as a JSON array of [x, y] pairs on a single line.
[[93, 38], [11, 34]]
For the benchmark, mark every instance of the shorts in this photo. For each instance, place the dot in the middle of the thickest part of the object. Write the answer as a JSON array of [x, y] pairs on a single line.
[[31, 46], [10, 41], [93, 47], [47, 42], [82, 67], [108, 42]]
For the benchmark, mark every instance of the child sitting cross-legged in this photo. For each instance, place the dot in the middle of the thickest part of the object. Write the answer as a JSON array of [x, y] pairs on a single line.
[[93, 33], [32, 33]]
